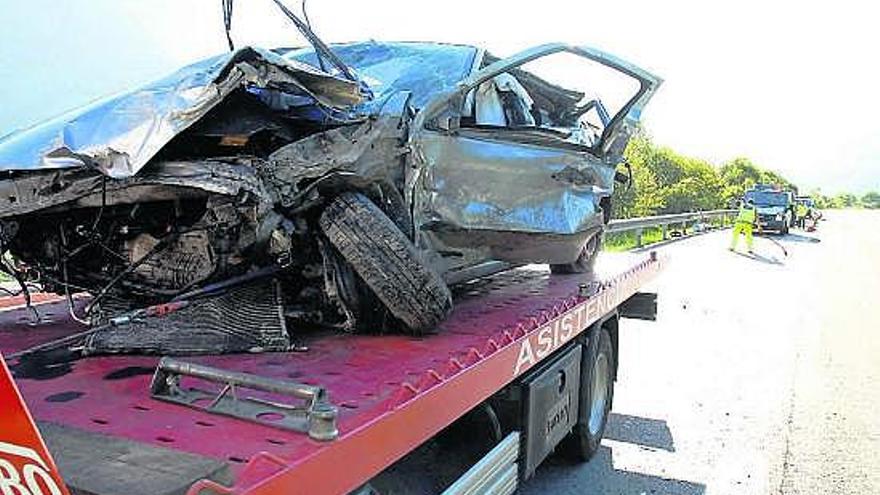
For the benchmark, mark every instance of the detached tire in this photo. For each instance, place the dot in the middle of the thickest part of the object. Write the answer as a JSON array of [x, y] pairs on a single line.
[[586, 261], [386, 261], [596, 395]]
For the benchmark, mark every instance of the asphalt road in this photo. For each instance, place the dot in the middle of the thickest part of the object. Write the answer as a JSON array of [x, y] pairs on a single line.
[[760, 376]]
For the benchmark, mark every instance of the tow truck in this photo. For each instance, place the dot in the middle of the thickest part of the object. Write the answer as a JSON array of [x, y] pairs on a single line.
[[527, 361], [775, 207]]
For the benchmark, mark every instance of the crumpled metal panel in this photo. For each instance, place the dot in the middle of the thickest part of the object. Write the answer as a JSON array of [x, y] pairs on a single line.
[[35, 191], [122, 133], [476, 183]]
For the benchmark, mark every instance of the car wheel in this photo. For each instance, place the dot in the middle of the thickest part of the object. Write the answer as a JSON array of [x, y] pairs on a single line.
[[367, 311], [585, 262], [596, 395], [385, 259]]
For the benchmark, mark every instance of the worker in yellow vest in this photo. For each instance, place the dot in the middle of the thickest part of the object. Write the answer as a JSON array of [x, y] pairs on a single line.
[[746, 220], [801, 211]]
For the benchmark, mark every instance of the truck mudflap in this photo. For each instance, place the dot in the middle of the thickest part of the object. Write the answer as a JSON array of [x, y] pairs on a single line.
[[641, 306], [550, 406]]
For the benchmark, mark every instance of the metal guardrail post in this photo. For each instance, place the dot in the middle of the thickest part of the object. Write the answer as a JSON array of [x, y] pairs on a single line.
[[639, 237], [664, 230]]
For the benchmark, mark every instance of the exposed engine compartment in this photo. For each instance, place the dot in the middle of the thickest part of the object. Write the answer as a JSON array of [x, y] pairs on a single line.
[[228, 196], [165, 246]]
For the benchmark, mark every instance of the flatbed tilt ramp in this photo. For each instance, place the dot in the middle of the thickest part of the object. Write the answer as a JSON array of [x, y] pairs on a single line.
[[392, 392]]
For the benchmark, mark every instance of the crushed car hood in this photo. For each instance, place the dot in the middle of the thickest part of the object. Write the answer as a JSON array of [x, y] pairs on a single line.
[[120, 134]]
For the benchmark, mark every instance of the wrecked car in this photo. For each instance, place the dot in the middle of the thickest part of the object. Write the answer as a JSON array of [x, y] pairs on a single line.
[[344, 186]]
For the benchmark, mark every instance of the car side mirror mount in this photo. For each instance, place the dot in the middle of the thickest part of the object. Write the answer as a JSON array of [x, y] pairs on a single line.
[[448, 123], [627, 178]]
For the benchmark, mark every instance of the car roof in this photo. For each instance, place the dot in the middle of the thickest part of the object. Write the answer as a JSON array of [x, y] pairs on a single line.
[[439, 44]]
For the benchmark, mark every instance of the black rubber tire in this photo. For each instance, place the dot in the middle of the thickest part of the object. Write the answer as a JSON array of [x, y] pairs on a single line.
[[580, 445], [586, 262], [370, 315], [386, 261]]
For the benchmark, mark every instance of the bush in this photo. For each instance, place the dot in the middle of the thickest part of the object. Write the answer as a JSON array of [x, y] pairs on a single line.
[[665, 181]]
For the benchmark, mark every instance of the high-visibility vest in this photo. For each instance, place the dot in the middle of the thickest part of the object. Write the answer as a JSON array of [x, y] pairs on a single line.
[[802, 210], [746, 215]]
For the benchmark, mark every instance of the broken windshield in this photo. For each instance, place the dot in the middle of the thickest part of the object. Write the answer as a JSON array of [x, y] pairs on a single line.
[[424, 69]]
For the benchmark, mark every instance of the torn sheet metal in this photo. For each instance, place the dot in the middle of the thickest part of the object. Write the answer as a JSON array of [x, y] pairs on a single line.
[[479, 182], [179, 179], [364, 153], [121, 134]]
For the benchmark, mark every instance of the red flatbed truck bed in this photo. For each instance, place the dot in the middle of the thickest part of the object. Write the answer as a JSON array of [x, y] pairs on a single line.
[[392, 392]]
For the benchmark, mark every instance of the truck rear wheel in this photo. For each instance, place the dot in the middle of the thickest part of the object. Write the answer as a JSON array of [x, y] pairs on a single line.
[[386, 261], [597, 392], [585, 262]]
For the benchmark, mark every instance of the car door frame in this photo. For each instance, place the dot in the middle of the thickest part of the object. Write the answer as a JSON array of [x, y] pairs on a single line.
[[622, 123], [443, 115]]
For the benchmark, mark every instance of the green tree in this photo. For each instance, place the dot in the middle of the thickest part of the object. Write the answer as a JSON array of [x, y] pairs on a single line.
[[643, 197], [665, 181], [669, 182], [737, 175], [699, 187], [871, 200], [771, 177], [845, 200]]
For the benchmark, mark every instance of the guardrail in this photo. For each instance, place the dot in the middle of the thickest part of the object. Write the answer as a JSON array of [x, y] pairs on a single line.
[[664, 221]]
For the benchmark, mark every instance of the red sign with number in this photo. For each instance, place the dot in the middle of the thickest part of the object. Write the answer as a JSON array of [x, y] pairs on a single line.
[[25, 465]]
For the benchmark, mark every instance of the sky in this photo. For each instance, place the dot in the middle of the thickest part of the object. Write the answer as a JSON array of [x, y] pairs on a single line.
[[791, 85]]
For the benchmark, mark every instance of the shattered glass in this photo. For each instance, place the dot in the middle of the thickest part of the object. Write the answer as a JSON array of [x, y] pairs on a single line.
[[424, 69]]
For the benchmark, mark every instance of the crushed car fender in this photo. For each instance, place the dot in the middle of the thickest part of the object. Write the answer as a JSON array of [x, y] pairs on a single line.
[[121, 134]]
